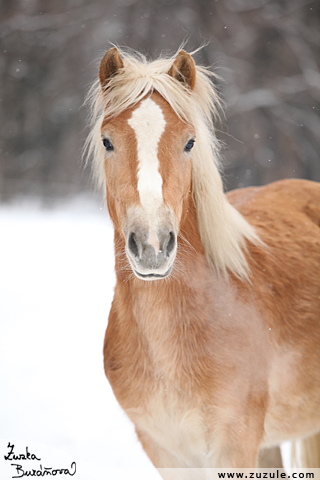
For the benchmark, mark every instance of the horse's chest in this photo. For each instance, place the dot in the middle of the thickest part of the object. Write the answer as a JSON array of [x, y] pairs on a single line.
[[174, 426]]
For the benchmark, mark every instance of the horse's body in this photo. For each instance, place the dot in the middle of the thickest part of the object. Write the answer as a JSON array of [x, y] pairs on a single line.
[[222, 356], [208, 370]]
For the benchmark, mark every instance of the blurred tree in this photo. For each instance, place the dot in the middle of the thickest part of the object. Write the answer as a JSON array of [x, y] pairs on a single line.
[[267, 53]]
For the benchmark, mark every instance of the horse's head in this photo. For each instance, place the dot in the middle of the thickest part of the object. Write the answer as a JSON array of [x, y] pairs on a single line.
[[148, 151], [146, 117]]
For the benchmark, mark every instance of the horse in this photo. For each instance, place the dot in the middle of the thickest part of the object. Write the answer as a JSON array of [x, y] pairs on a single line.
[[212, 343]]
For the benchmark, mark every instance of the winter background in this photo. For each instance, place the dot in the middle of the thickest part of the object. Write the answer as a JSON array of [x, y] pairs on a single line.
[[56, 246]]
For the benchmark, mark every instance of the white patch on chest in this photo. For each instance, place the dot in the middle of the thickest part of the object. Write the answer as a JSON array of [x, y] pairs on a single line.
[[175, 428], [148, 124]]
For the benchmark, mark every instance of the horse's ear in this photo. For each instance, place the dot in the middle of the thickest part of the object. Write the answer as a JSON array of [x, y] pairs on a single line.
[[109, 65], [184, 69]]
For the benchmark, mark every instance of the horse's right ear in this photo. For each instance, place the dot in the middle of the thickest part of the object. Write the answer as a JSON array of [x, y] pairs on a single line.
[[109, 66]]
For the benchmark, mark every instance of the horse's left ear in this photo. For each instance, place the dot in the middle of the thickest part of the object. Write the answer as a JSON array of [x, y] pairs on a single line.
[[184, 69], [109, 65]]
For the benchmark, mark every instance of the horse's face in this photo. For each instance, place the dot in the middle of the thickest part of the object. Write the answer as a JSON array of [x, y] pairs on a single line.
[[148, 151]]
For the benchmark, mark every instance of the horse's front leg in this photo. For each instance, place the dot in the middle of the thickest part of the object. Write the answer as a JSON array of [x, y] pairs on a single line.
[[237, 455], [170, 465], [160, 457], [236, 445]]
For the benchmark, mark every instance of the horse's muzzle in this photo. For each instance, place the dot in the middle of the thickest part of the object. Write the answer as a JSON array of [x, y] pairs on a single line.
[[151, 255]]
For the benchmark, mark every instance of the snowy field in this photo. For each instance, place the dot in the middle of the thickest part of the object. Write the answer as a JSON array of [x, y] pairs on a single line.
[[56, 287]]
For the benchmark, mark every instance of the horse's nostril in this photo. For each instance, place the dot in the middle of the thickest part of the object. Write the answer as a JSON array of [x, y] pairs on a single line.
[[170, 244], [133, 247]]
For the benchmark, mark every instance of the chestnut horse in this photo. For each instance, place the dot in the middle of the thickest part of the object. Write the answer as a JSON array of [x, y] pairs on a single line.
[[213, 341]]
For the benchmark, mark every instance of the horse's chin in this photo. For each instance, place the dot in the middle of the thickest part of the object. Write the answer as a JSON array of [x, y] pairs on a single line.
[[152, 275]]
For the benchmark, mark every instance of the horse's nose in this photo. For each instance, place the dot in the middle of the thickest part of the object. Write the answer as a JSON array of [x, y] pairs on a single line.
[[162, 243], [142, 250], [151, 251], [145, 254], [154, 246], [133, 245], [169, 244]]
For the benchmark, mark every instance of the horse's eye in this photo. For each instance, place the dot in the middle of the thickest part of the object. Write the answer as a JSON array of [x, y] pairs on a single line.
[[107, 144], [189, 145]]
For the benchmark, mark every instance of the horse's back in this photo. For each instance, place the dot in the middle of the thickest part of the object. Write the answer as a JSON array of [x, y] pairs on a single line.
[[285, 196], [286, 215]]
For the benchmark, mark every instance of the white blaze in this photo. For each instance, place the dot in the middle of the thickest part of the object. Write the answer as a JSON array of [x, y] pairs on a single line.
[[148, 123]]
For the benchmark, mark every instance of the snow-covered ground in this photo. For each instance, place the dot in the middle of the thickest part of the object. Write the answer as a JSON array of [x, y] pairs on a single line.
[[56, 287]]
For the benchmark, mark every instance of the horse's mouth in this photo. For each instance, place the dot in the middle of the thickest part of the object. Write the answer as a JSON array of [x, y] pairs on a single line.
[[152, 276]]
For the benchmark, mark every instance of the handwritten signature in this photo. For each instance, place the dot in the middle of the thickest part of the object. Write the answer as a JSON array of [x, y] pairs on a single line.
[[35, 472]]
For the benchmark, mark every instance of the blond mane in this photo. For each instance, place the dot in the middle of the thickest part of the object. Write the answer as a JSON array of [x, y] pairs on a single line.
[[222, 228]]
